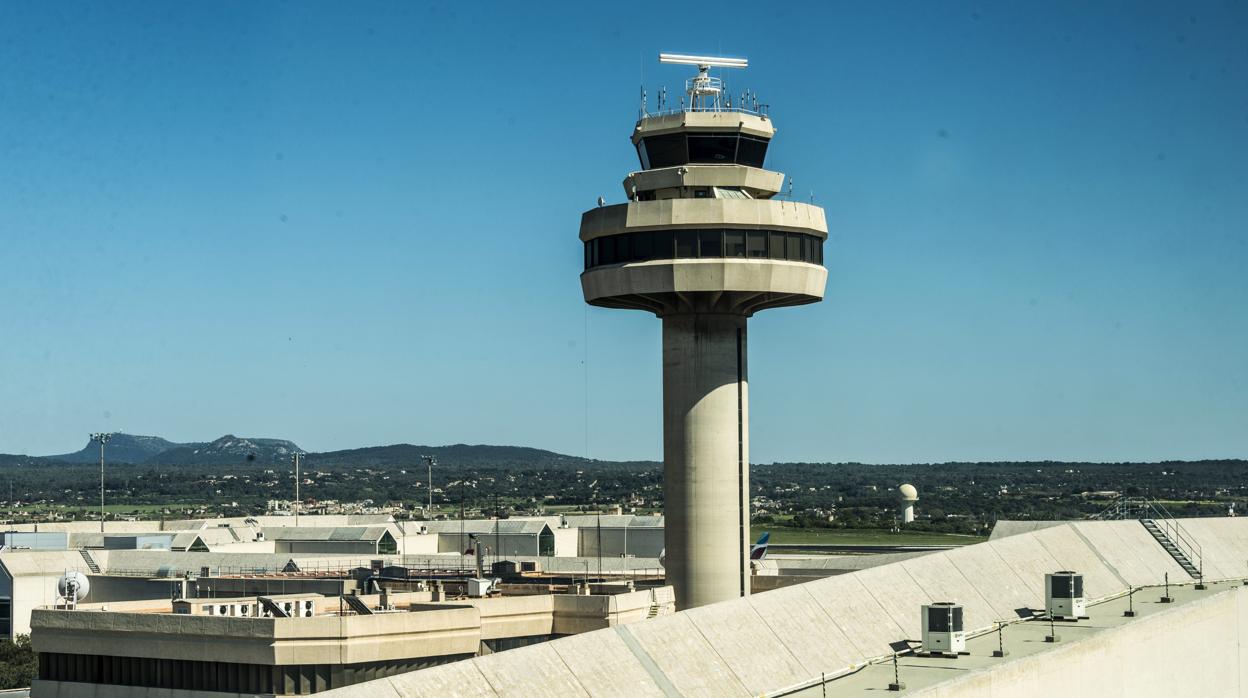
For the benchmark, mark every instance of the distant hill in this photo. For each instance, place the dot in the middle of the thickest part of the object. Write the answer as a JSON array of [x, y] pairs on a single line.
[[12, 460], [228, 450], [454, 456], [234, 450], [122, 448]]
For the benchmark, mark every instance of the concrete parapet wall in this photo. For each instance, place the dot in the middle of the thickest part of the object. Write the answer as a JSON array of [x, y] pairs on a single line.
[[668, 214]]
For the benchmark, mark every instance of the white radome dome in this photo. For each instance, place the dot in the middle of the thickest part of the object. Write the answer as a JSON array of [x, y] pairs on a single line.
[[76, 579], [908, 493]]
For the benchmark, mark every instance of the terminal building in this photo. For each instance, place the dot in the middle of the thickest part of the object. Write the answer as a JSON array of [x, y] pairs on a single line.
[[295, 644]]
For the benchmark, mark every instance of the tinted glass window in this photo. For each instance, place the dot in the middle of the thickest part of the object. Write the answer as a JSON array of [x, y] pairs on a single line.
[[642, 156], [710, 243], [751, 151], [643, 247], [776, 245], [707, 243], [664, 242], [606, 250], [756, 243], [663, 151], [686, 243], [712, 148], [623, 247]]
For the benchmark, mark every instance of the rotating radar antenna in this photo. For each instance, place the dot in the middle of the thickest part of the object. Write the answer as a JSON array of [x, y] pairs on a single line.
[[705, 92], [73, 587]]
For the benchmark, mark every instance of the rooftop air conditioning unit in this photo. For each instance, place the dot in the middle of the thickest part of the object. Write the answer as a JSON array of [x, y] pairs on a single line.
[[1063, 595], [479, 587], [942, 629]]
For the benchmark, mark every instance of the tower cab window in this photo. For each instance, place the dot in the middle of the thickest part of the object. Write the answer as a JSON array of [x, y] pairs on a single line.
[[672, 149]]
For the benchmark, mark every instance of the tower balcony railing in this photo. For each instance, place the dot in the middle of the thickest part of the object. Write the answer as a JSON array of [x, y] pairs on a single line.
[[708, 95], [759, 110]]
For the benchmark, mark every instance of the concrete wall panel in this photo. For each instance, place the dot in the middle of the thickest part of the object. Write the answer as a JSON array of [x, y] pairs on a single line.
[[806, 630], [684, 656], [857, 613], [1030, 560], [898, 594], [604, 666], [755, 654], [943, 582], [1223, 545], [1130, 549], [997, 582], [455, 679], [1072, 553], [511, 674]]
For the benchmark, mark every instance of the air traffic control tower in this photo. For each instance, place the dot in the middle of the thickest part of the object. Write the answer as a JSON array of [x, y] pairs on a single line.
[[704, 243]]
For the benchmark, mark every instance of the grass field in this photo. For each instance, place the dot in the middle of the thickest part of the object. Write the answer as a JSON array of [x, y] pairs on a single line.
[[785, 535]]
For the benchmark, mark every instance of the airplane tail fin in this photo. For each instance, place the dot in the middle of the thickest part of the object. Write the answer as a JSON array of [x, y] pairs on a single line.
[[758, 551]]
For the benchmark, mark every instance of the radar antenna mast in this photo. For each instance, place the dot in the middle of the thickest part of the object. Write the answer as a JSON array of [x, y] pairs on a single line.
[[705, 92]]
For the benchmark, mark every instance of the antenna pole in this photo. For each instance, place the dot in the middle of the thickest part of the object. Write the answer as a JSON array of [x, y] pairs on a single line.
[[101, 438], [296, 457], [430, 461]]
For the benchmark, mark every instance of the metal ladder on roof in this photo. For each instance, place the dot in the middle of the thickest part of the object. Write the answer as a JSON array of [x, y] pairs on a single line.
[[1163, 527], [1169, 539], [91, 564], [357, 604]]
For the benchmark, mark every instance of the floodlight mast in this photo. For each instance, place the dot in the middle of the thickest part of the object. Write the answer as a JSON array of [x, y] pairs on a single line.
[[101, 438], [705, 92]]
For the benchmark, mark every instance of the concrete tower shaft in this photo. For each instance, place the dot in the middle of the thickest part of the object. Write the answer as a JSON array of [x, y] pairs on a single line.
[[702, 244], [706, 456]]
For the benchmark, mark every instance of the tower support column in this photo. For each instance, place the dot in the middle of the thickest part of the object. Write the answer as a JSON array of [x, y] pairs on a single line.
[[706, 457]]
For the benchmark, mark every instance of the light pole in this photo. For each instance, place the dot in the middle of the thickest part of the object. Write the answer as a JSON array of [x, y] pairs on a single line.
[[296, 459], [101, 438], [430, 461]]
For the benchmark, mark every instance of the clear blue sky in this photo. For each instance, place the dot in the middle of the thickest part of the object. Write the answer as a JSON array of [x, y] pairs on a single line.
[[351, 225]]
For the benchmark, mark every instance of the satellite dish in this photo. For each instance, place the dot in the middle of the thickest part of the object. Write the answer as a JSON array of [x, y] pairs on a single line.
[[73, 586]]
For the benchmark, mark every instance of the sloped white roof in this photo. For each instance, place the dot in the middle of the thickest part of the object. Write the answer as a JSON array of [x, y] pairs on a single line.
[[782, 638], [506, 527], [337, 533]]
